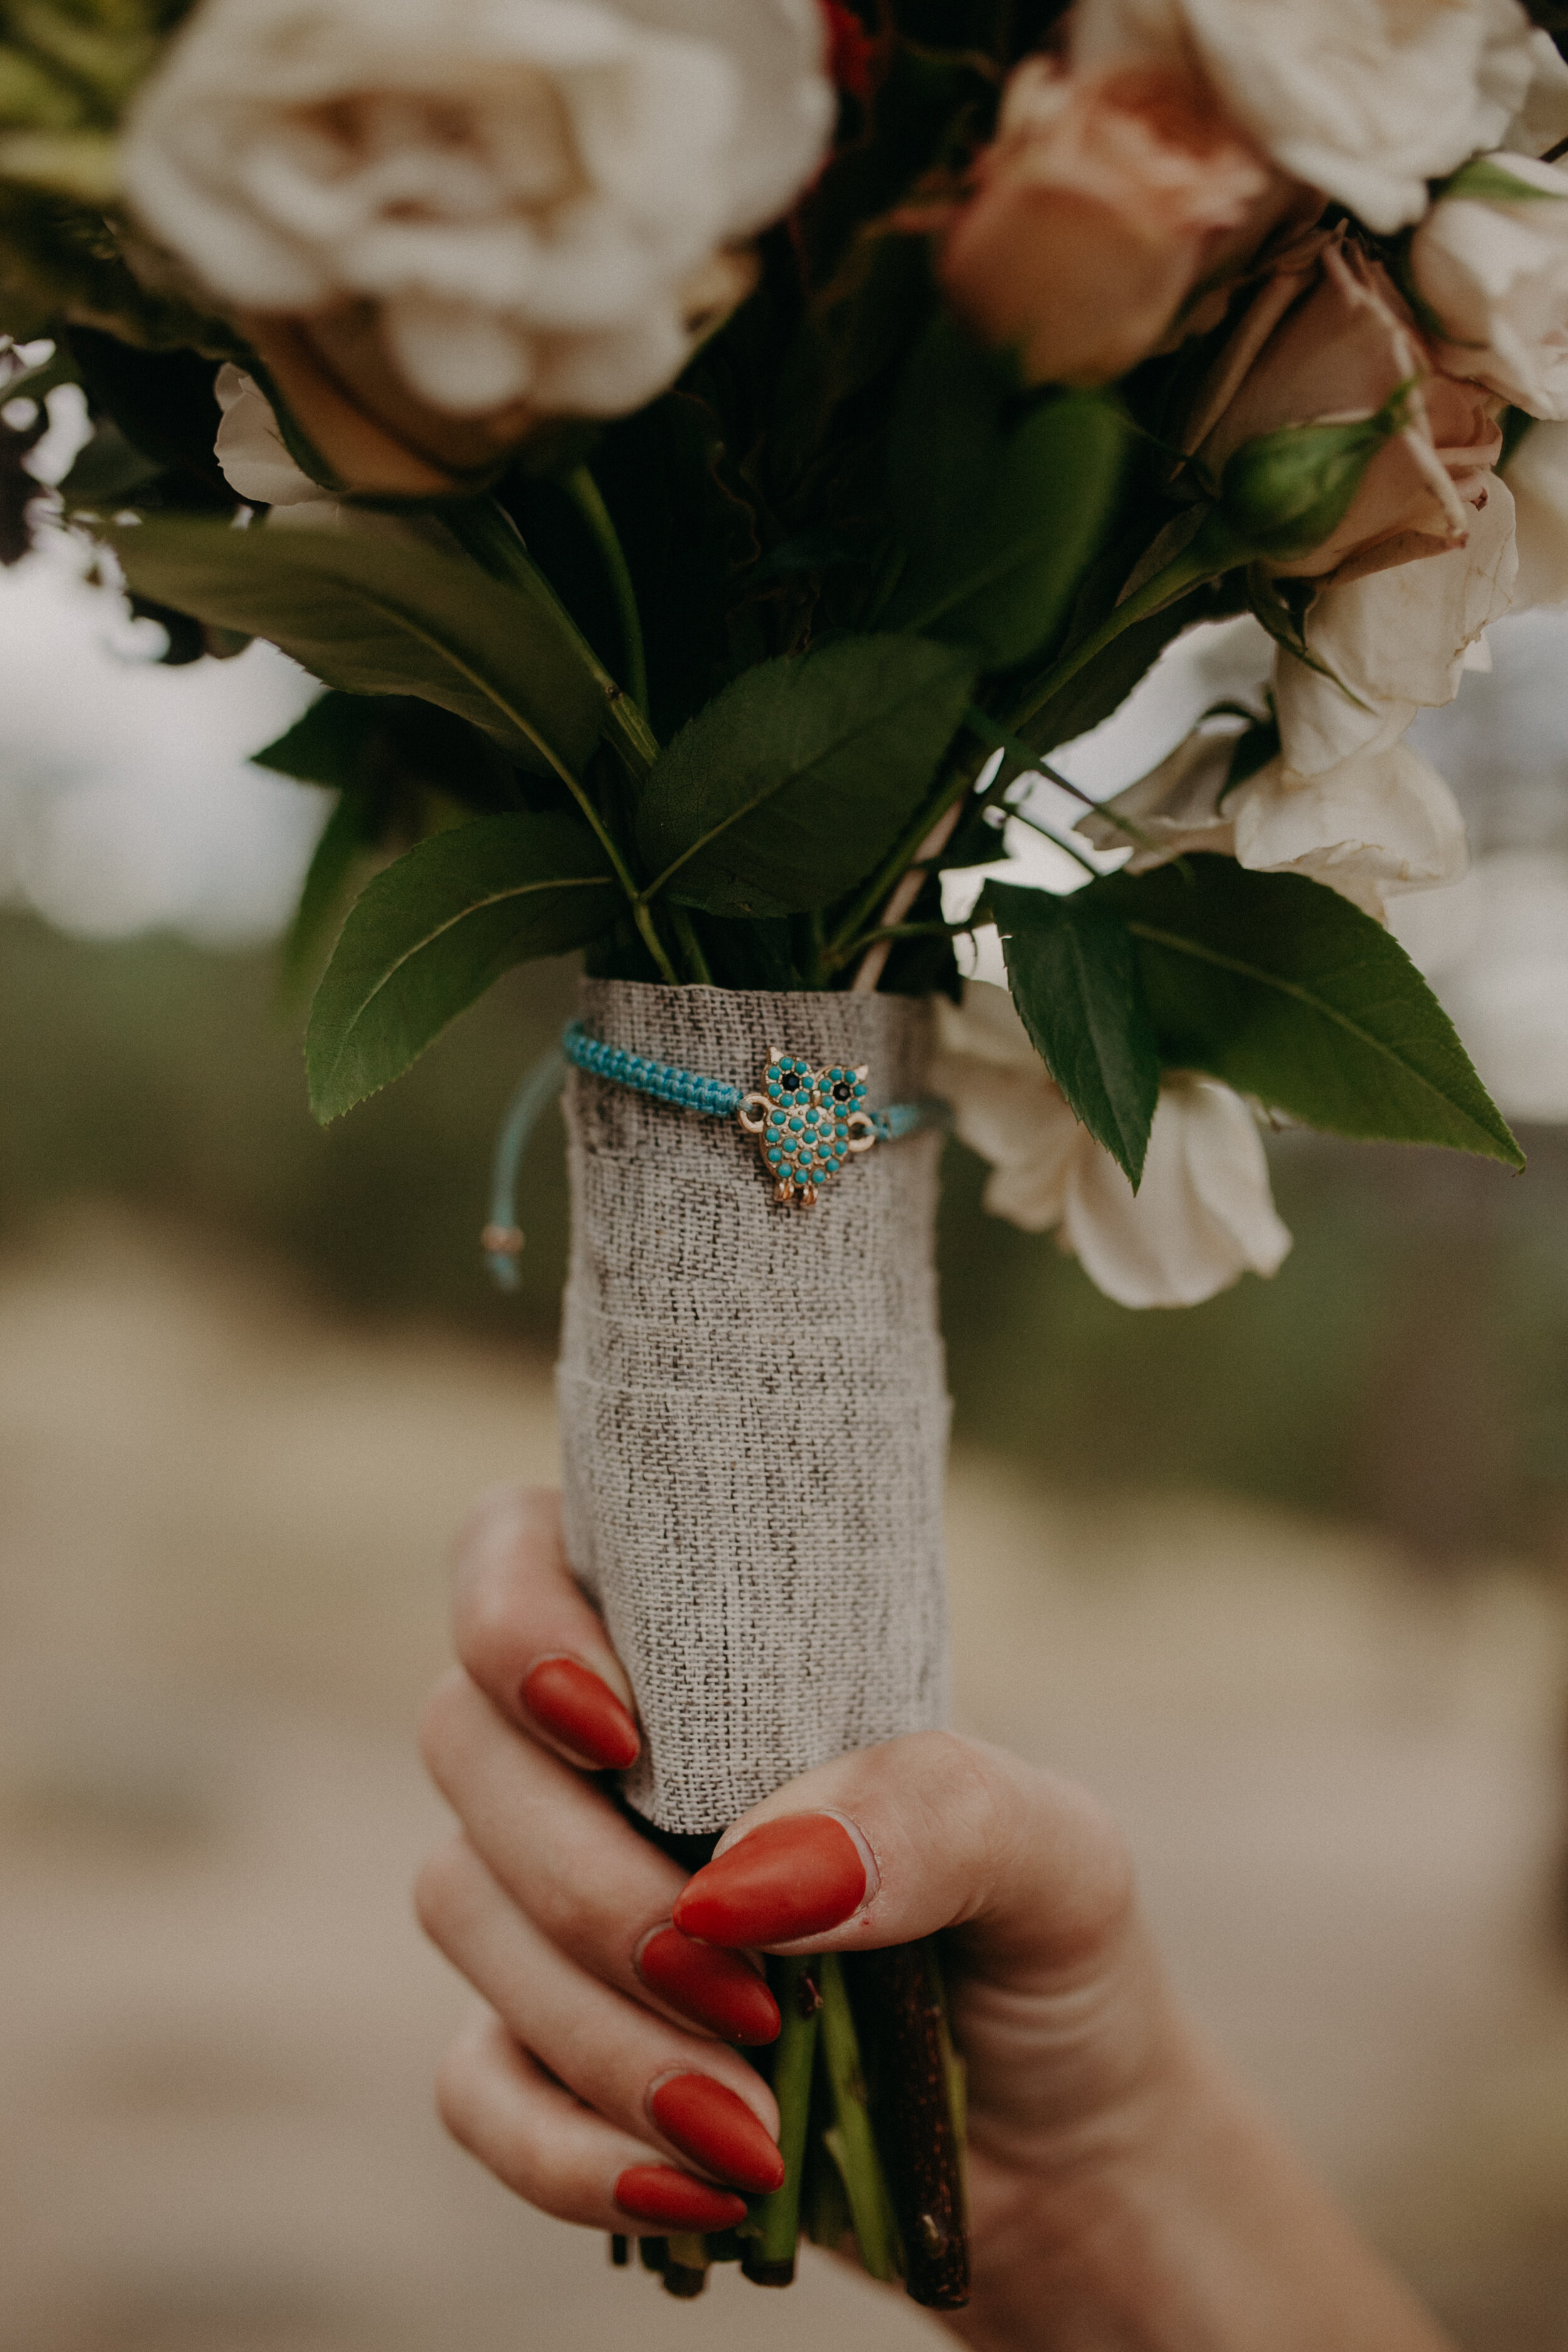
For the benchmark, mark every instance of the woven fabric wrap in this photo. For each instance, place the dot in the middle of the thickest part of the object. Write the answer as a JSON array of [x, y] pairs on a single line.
[[754, 1407]]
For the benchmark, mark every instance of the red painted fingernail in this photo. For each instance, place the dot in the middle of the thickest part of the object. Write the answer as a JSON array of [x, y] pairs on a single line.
[[714, 2127], [787, 1879], [656, 2193], [712, 1987], [571, 1703]]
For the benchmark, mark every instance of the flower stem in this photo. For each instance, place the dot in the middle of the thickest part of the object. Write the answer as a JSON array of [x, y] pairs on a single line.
[[899, 1995], [588, 499], [769, 2257], [690, 946], [485, 531], [1214, 550], [850, 2140], [686, 2265]]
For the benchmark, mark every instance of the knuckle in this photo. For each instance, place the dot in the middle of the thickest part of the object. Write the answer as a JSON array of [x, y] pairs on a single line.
[[490, 1639], [438, 1889], [458, 2080], [439, 1722]]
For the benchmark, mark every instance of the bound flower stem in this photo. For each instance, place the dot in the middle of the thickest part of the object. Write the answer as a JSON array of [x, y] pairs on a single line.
[[870, 2101], [769, 2258], [850, 2139]]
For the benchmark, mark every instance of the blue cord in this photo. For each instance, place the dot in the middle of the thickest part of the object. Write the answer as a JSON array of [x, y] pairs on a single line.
[[502, 1237]]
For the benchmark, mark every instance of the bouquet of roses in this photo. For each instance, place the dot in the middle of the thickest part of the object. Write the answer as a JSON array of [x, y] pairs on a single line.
[[712, 452]]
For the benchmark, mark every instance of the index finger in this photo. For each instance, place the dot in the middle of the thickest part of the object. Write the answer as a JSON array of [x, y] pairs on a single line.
[[528, 1636]]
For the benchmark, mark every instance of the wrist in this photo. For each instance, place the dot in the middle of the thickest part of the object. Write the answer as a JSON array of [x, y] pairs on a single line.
[[1179, 2222]]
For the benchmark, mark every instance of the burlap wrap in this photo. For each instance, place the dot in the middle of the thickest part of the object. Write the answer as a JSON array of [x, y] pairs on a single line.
[[753, 1408]]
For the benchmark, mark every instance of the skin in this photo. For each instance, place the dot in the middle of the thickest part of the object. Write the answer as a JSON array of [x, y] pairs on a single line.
[[1126, 2195]]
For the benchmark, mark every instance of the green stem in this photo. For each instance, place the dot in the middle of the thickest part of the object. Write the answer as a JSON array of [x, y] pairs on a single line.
[[585, 495], [1025, 763], [1019, 817], [850, 2140], [769, 2258], [485, 531], [1214, 550], [690, 946], [642, 915], [856, 947], [875, 895]]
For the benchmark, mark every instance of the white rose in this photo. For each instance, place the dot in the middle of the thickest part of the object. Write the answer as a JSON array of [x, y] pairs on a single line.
[[527, 191], [1380, 823], [1396, 641], [1543, 118], [1201, 1216], [1538, 478], [1367, 100], [1493, 268]]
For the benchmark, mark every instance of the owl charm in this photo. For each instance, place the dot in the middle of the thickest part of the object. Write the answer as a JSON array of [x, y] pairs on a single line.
[[807, 1122]]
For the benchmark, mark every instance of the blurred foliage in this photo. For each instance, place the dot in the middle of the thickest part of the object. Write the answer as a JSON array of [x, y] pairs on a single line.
[[1409, 1364]]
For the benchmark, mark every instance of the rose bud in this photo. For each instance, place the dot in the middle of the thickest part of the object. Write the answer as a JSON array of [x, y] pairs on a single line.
[[1104, 202], [1284, 495], [1328, 340]]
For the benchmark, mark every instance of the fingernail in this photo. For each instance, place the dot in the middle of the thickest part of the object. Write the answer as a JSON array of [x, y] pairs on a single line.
[[787, 1879], [656, 2193], [711, 1987], [574, 1705], [714, 2127]]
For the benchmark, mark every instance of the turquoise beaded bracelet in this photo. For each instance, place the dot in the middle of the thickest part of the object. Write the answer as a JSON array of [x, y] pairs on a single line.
[[806, 1121]]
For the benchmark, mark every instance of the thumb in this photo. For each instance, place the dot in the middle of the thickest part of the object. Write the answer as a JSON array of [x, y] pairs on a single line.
[[919, 1834]]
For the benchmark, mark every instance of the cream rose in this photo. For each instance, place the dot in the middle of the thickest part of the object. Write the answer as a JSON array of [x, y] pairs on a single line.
[[1380, 823], [1367, 100], [1493, 266], [1543, 117], [1104, 200], [1538, 478], [1202, 1214], [523, 194]]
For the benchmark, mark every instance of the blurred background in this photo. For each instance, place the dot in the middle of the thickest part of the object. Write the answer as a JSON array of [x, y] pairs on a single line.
[[1284, 1578]]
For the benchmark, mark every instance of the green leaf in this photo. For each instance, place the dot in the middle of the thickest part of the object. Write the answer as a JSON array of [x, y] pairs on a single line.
[[374, 615], [1001, 519], [326, 743], [348, 837], [795, 781], [1074, 974], [1486, 179], [1286, 991], [430, 934]]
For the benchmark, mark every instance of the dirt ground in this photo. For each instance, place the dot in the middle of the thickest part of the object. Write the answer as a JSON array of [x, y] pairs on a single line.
[[222, 1528]]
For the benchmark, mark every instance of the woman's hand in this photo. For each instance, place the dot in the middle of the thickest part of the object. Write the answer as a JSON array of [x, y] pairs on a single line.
[[1122, 2194]]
